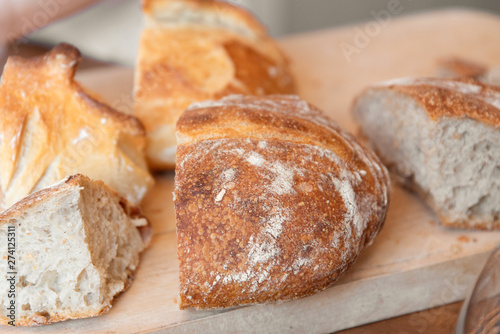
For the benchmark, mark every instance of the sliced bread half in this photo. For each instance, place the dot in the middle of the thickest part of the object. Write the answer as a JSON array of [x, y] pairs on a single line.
[[73, 248], [442, 137]]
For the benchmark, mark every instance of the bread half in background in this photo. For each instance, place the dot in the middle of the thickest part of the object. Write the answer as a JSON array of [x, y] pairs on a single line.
[[273, 201], [195, 50], [77, 247], [456, 67], [51, 128], [442, 137]]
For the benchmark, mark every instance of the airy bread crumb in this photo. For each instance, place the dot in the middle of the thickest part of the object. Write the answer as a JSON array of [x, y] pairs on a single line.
[[442, 137], [77, 248]]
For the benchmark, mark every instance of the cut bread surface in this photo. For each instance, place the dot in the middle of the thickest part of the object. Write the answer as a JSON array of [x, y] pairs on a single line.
[[451, 157], [77, 248]]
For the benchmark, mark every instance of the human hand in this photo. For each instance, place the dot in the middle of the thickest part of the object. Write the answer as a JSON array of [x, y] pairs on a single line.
[[21, 17]]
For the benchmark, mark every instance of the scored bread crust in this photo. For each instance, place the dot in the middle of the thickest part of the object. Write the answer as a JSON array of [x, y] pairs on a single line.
[[194, 51], [51, 128], [454, 98], [133, 212], [273, 201]]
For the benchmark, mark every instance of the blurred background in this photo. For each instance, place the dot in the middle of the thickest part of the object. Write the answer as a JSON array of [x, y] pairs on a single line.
[[109, 30]]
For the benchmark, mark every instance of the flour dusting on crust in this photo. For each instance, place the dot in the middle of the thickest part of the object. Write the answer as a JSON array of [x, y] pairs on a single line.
[[276, 185], [467, 89]]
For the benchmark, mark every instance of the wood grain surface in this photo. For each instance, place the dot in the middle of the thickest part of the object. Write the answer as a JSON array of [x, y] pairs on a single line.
[[413, 265]]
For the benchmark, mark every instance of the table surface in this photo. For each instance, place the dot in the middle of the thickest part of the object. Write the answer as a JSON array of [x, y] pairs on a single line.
[[436, 320]]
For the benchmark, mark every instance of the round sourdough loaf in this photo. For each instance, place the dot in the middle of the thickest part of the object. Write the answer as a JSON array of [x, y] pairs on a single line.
[[274, 201]]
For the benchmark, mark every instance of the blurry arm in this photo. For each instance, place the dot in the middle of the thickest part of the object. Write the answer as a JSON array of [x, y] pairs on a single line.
[[21, 17]]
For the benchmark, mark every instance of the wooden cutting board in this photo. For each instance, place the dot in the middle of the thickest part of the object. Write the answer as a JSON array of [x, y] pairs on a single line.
[[413, 264]]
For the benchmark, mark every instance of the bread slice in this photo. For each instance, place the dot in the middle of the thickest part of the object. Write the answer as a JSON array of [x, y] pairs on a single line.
[[442, 137], [77, 246], [274, 201], [195, 50], [51, 128]]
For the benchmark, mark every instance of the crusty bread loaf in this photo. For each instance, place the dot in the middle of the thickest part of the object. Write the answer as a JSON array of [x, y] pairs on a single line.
[[195, 50], [273, 201], [51, 128], [442, 137], [77, 246]]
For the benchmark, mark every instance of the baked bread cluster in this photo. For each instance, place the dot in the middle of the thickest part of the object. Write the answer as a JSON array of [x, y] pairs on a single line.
[[195, 50], [73, 246], [274, 201]]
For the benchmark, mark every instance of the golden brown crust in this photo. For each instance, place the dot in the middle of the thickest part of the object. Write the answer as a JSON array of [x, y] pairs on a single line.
[[62, 61], [456, 98], [54, 126], [190, 58], [274, 201], [275, 116], [253, 69]]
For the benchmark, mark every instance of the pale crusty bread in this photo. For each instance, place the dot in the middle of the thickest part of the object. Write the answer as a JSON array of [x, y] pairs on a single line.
[[455, 67], [442, 137], [51, 128], [77, 247], [493, 77], [273, 201], [194, 50]]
